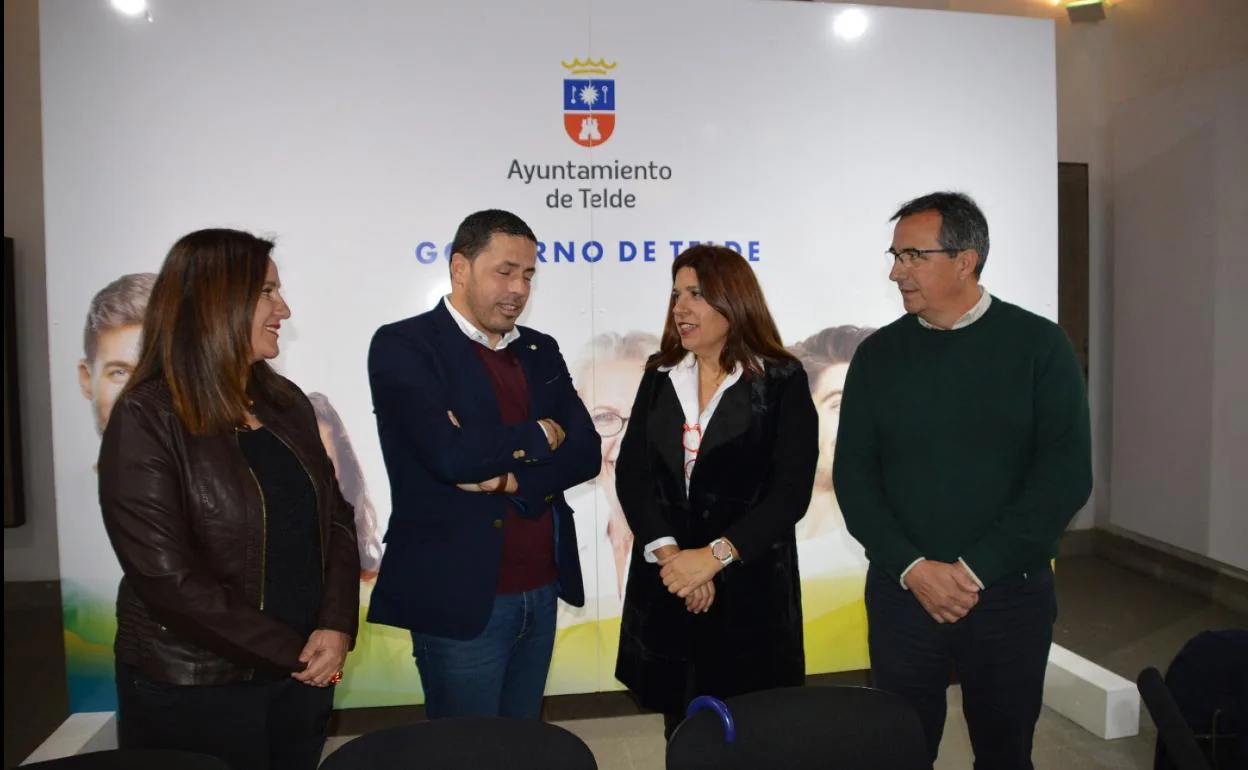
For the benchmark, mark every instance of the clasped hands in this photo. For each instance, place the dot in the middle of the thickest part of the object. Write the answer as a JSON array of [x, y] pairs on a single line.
[[946, 591], [689, 574], [506, 483], [323, 657]]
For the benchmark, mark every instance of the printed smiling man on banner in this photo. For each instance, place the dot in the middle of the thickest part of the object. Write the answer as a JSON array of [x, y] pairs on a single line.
[[964, 450], [110, 342], [482, 431]]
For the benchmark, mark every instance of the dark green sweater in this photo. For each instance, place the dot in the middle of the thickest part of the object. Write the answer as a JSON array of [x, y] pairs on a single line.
[[971, 443]]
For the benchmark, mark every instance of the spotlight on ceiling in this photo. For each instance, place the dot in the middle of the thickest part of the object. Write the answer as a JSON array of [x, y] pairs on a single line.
[[133, 8], [850, 24]]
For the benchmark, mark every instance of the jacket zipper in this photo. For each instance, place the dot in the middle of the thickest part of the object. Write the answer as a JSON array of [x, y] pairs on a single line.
[[264, 528]]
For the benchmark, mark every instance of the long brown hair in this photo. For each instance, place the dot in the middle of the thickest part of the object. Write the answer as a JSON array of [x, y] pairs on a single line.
[[197, 330], [730, 286]]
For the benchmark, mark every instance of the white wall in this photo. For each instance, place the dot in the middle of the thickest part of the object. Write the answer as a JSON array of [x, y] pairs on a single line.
[[30, 550], [1180, 165]]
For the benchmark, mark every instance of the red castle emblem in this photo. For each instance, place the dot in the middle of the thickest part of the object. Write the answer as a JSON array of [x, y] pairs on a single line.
[[589, 101]]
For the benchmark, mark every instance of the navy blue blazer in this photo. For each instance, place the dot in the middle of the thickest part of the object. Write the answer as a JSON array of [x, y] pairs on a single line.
[[444, 545]]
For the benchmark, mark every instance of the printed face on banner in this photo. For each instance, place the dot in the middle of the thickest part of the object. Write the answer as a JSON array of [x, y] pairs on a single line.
[[826, 356], [615, 386], [102, 378], [608, 373], [589, 102], [112, 342], [826, 392]]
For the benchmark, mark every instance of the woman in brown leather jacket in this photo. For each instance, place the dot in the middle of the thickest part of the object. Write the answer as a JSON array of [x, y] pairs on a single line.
[[240, 591]]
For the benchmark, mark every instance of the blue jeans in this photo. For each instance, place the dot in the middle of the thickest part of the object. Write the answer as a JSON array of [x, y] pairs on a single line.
[[500, 673]]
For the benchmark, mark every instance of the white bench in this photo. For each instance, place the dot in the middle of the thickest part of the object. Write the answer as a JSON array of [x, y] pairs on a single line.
[[80, 734], [1095, 698]]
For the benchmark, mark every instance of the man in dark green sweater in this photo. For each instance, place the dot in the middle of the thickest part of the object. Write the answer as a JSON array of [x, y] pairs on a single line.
[[964, 450]]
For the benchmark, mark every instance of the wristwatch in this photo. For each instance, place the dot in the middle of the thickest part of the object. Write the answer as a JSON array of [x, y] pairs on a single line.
[[722, 550]]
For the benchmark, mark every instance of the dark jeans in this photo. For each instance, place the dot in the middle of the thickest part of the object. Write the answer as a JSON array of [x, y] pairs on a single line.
[[273, 724], [502, 672], [1000, 651]]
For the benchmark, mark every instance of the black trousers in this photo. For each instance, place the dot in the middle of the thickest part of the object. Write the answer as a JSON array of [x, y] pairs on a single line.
[[1000, 651], [260, 725]]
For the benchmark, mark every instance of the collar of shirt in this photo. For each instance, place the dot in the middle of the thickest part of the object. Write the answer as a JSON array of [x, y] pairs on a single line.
[[684, 376], [970, 316], [475, 334]]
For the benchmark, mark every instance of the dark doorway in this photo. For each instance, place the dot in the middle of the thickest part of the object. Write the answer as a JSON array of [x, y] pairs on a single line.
[[1072, 256]]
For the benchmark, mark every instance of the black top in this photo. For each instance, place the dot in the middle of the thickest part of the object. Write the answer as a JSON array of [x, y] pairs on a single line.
[[292, 548]]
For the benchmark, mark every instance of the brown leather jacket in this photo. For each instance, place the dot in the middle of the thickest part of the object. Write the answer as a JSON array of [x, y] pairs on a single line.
[[186, 519]]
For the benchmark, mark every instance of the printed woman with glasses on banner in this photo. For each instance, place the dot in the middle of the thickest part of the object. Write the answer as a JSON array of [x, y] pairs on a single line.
[[607, 373], [715, 469]]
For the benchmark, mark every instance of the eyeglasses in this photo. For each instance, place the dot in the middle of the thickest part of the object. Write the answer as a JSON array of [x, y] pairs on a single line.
[[691, 439], [609, 422], [910, 257]]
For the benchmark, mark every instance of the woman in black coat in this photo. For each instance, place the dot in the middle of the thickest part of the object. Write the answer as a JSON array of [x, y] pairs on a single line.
[[715, 469]]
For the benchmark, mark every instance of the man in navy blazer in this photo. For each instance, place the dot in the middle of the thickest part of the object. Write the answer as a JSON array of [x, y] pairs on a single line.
[[482, 431]]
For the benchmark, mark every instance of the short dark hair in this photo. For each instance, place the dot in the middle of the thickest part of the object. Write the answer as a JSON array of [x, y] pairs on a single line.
[[962, 224], [474, 232]]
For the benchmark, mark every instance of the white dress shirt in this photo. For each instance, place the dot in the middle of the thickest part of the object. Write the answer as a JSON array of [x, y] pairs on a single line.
[[475, 334], [684, 376]]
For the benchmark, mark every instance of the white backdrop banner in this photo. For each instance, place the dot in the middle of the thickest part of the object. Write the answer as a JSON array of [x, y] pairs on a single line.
[[361, 133]]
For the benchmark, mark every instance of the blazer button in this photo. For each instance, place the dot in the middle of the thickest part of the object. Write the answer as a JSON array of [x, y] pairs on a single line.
[[519, 453], [549, 498], [498, 524], [706, 514]]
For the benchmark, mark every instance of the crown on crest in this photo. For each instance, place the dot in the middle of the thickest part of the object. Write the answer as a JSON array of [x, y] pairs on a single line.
[[588, 67]]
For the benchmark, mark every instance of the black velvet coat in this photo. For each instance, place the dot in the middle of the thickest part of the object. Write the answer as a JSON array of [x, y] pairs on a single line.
[[752, 483]]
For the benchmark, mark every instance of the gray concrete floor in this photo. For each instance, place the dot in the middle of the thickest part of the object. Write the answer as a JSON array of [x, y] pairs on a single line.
[[1119, 619]]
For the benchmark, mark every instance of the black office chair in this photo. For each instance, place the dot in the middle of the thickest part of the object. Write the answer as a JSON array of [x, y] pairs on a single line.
[[132, 759], [1173, 732], [1208, 681], [800, 727], [488, 743]]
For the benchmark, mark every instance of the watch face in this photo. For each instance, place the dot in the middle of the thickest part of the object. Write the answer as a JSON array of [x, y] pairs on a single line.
[[721, 551]]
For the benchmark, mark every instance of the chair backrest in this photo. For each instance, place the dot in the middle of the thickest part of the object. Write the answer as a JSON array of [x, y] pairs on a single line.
[[1208, 680], [477, 742], [132, 759], [804, 727], [1172, 729]]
